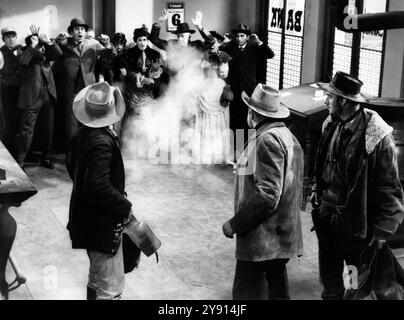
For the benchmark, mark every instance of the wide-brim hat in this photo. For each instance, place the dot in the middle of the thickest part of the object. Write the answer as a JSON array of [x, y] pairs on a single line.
[[99, 105], [183, 28], [8, 30], [242, 28], [77, 22], [267, 102], [346, 86], [219, 57]]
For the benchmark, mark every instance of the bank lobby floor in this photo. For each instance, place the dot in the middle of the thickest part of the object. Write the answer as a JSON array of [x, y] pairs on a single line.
[[186, 207]]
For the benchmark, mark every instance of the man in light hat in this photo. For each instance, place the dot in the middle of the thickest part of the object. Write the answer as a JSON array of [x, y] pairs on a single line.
[[10, 77], [77, 66], [357, 197], [98, 206], [247, 51], [268, 196]]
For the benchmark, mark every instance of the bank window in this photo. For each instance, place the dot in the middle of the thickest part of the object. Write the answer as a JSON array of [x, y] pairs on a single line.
[[285, 38], [362, 55]]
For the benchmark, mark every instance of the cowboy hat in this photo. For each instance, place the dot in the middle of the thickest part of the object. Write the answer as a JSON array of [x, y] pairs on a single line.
[[267, 102], [77, 22], [99, 105], [346, 86], [242, 28], [183, 28]]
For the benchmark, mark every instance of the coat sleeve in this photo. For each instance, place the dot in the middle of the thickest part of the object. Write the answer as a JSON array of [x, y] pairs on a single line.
[[155, 37], [1, 60], [265, 51], [53, 51], [27, 55], [99, 156], [268, 183], [389, 191]]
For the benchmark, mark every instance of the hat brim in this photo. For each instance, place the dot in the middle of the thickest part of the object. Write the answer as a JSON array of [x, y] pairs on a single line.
[[235, 31], [186, 31], [282, 113], [14, 33], [110, 118], [70, 28], [360, 98]]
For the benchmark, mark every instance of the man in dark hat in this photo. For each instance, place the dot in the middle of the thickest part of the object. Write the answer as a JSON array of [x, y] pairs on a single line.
[[77, 67], [247, 51], [37, 96], [183, 34], [269, 186], [10, 77], [357, 197]]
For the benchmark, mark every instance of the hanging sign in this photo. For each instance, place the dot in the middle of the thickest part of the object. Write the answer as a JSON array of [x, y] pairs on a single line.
[[294, 16], [176, 15]]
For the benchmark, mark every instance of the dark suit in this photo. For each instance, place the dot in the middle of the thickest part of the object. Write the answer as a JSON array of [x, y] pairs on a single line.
[[37, 97], [10, 77], [77, 70], [98, 203], [243, 77]]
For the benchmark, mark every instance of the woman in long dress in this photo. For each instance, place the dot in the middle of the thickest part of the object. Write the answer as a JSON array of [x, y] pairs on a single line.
[[212, 120]]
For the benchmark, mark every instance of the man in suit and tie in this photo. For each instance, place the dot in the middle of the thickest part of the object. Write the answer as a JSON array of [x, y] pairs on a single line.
[[77, 65], [247, 50], [37, 95]]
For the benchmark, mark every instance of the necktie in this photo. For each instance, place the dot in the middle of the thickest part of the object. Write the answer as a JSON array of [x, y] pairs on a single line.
[[143, 61], [80, 47]]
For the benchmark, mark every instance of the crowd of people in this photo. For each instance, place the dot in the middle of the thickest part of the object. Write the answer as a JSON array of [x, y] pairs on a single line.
[[357, 195]]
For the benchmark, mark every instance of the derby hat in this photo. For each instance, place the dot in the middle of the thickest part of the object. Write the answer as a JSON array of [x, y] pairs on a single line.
[[8, 30], [77, 22], [183, 28], [346, 86], [140, 32], [267, 102], [242, 28], [99, 105]]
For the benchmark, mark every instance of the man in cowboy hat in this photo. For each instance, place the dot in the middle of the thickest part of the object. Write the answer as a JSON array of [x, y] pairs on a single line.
[[357, 197], [98, 206], [268, 195], [10, 77], [77, 66], [247, 51], [183, 33]]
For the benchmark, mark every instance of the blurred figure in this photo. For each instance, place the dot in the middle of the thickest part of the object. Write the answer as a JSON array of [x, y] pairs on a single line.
[[212, 119], [90, 34], [37, 96], [10, 77]]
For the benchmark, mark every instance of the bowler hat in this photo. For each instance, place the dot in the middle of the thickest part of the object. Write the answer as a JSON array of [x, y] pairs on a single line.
[[267, 102], [346, 86], [99, 105], [77, 22], [8, 30], [183, 28], [242, 28]]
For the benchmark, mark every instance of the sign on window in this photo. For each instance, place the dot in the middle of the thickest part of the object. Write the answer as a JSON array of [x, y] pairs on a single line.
[[294, 17]]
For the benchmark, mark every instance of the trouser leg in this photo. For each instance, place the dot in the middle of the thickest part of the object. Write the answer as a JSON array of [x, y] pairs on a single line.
[[72, 125], [249, 281], [277, 278], [46, 124], [26, 134]]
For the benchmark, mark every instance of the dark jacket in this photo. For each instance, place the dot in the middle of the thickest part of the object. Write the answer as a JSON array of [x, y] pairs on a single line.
[[374, 205], [37, 75], [243, 66], [98, 201], [268, 195], [72, 62], [130, 59], [10, 73]]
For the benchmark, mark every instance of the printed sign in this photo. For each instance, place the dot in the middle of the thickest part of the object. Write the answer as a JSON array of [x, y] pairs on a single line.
[[294, 16], [176, 15]]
